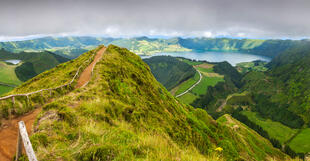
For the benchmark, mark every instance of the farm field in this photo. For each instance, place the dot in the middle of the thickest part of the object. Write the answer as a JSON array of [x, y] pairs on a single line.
[[7, 74], [187, 98], [209, 78], [202, 87], [187, 84], [274, 129], [5, 89], [301, 143]]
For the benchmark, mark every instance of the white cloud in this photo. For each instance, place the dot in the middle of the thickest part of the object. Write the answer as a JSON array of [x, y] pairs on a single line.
[[125, 18]]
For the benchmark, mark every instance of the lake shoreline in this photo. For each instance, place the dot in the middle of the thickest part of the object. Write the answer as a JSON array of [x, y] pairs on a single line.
[[214, 56]]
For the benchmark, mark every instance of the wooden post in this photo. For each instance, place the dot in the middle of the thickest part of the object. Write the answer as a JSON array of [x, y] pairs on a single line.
[[26, 141], [13, 100], [18, 147], [28, 102]]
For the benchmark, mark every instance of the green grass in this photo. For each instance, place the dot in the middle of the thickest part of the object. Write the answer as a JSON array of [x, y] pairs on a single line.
[[205, 82], [207, 70], [301, 143], [274, 129], [7, 74], [5, 89], [187, 84], [57, 76], [125, 114], [187, 98]]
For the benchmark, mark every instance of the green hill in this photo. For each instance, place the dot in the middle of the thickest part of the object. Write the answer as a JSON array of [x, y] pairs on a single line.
[[32, 64], [125, 114], [170, 71]]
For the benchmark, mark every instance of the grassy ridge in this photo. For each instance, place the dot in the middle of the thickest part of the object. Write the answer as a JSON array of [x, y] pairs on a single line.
[[57, 76], [125, 114]]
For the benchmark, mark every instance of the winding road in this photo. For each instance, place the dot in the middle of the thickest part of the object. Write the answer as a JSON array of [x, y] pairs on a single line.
[[193, 86]]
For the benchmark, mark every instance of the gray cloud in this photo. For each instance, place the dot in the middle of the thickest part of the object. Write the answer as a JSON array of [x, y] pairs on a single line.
[[237, 18]]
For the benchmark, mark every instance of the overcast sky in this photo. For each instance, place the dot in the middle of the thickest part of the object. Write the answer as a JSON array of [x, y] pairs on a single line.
[[209, 18]]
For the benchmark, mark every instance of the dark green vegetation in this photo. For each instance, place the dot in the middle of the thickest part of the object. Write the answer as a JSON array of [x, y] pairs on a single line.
[[274, 102], [215, 96], [33, 63], [71, 47], [179, 74], [170, 71], [125, 114]]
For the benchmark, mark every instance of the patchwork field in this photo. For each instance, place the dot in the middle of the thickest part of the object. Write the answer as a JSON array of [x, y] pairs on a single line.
[[209, 78], [187, 84]]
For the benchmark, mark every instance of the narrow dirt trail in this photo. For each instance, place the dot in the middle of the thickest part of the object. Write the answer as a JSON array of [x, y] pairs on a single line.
[[8, 135], [9, 132], [86, 74]]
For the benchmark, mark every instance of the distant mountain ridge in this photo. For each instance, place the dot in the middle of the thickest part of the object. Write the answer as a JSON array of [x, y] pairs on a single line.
[[72, 47]]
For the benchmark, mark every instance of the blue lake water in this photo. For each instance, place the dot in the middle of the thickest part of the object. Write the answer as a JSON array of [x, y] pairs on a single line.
[[13, 61], [232, 57]]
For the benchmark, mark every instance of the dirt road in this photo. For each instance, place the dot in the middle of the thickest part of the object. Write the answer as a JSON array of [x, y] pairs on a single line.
[[193, 86]]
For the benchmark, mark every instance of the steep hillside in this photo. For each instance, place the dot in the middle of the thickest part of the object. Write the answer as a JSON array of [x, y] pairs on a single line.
[[170, 71], [275, 102], [125, 114]]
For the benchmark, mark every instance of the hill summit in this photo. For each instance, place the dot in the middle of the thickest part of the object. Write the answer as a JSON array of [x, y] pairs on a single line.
[[123, 113]]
